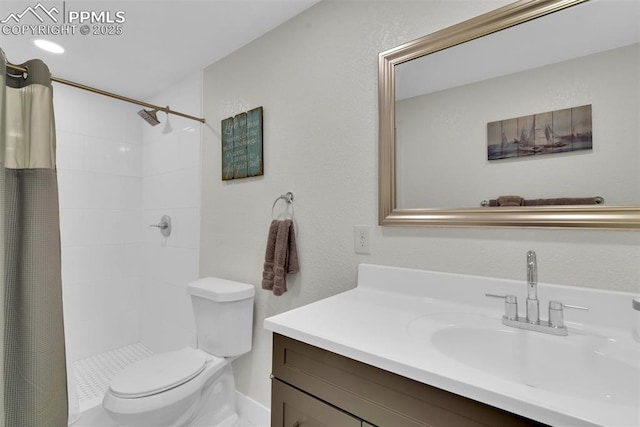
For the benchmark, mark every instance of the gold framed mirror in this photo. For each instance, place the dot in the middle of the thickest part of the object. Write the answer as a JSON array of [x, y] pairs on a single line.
[[616, 215]]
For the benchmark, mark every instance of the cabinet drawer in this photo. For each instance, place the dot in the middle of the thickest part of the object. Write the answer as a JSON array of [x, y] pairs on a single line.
[[293, 408], [377, 396]]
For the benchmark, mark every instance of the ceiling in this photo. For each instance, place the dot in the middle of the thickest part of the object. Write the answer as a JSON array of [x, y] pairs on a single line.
[[160, 40], [591, 27]]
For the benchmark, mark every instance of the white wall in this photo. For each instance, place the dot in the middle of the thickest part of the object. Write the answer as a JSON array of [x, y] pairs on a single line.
[[171, 186], [454, 150], [316, 77], [99, 157]]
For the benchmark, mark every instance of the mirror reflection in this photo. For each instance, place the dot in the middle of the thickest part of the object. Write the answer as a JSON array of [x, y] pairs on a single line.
[[532, 80]]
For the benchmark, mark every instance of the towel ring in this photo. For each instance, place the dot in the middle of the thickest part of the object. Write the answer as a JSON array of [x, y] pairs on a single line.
[[288, 198]]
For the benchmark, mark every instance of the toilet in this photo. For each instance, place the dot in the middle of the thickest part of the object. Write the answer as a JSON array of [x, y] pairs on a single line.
[[190, 386]]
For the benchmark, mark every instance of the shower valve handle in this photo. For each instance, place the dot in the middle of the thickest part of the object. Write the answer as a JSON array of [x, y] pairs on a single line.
[[164, 225]]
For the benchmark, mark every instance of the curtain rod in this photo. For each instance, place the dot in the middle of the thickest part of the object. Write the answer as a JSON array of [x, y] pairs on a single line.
[[111, 95]]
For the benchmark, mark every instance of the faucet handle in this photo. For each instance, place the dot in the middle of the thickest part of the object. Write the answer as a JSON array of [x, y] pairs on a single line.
[[557, 305], [510, 305], [495, 296], [505, 297], [556, 316], [575, 307]]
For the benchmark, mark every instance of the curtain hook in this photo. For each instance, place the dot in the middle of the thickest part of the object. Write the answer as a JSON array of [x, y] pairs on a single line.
[[17, 71]]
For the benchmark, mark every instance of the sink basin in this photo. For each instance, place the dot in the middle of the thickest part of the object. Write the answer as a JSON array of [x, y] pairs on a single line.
[[581, 365]]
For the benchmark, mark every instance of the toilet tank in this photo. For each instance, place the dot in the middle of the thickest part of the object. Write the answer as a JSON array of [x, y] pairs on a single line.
[[223, 310]]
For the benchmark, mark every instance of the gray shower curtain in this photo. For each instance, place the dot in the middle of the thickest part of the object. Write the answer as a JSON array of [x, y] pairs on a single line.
[[32, 353]]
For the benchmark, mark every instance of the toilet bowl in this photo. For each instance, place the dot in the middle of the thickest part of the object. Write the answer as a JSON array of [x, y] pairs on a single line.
[[170, 389], [190, 386]]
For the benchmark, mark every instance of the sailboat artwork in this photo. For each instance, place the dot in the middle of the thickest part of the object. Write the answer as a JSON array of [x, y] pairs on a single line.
[[559, 131]]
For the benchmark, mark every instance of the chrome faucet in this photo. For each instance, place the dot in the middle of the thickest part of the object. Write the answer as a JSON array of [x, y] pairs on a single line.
[[555, 325], [533, 305]]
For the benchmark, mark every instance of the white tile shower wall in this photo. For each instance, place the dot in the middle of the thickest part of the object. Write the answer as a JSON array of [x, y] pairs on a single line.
[[171, 186], [99, 154]]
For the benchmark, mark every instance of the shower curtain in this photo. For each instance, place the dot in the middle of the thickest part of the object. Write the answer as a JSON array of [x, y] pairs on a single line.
[[32, 353]]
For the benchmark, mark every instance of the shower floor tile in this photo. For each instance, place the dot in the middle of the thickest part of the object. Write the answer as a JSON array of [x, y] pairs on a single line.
[[93, 374]]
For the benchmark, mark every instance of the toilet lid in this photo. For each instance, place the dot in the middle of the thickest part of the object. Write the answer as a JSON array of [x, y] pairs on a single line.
[[158, 373]]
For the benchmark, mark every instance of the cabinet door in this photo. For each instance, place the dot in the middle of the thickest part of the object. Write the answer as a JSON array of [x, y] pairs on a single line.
[[293, 408], [382, 398]]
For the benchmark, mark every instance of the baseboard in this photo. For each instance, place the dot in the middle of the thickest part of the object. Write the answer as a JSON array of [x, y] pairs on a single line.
[[251, 412]]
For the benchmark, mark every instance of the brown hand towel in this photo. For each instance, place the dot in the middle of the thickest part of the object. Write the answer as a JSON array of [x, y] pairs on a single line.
[[510, 201], [286, 256], [269, 256], [518, 201], [292, 259], [562, 201]]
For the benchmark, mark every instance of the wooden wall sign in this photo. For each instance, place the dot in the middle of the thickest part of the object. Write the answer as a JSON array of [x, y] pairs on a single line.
[[227, 149], [242, 145]]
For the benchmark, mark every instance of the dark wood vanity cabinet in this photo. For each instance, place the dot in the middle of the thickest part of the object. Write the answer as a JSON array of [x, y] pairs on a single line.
[[312, 387], [294, 408]]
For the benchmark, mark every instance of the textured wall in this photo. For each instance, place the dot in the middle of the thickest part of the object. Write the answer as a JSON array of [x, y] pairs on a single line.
[[316, 77]]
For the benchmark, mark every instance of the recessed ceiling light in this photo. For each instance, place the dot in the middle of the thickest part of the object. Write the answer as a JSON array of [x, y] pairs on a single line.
[[48, 46]]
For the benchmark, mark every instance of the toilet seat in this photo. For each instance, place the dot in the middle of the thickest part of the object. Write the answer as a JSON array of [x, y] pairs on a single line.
[[158, 373]]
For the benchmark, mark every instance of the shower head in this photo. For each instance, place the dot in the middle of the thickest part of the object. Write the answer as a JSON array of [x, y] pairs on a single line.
[[149, 116]]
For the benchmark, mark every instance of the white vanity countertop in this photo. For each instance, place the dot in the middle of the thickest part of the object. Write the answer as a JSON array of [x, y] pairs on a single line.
[[387, 320]]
